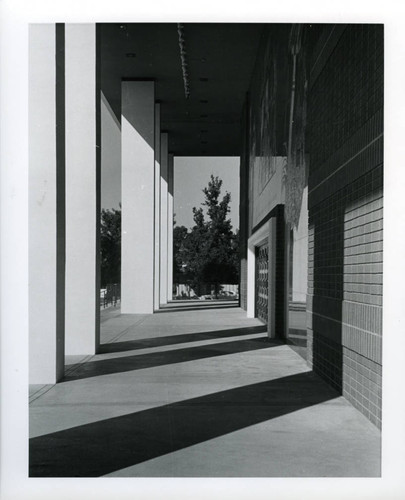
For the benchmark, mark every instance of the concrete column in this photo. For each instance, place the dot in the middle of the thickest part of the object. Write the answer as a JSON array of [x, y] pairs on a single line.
[[81, 328], [170, 229], [164, 161], [138, 194], [271, 315], [251, 282], [258, 237], [157, 209], [46, 203]]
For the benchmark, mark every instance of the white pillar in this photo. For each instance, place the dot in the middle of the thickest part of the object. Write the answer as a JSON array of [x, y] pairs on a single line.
[[170, 229], [266, 232], [251, 282], [46, 203], [256, 239], [164, 160], [157, 209], [271, 314], [138, 172], [81, 190]]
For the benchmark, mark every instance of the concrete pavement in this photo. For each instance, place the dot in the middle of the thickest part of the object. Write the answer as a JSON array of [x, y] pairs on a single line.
[[199, 392]]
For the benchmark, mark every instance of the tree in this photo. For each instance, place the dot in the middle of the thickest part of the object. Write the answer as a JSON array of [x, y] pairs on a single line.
[[110, 246], [209, 252], [194, 251], [179, 235]]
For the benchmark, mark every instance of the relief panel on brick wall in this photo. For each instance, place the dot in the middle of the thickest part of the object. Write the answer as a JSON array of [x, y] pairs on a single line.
[[266, 164]]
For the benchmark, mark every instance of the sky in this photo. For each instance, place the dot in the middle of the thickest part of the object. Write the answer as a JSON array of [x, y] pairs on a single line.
[[192, 174]]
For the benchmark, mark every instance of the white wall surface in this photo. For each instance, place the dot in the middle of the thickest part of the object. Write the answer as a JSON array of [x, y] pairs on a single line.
[[170, 205], [110, 156], [300, 254], [81, 216], [138, 194], [157, 209], [44, 364], [164, 171]]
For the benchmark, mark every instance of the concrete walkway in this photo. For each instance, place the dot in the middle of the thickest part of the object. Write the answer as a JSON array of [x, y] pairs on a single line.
[[195, 393]]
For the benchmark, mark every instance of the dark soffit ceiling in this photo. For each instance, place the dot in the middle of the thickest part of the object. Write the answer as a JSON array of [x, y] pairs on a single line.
[[220, 60]]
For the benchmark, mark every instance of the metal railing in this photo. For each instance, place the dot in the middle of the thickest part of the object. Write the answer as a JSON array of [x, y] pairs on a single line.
[[110, 295], [184, 291]]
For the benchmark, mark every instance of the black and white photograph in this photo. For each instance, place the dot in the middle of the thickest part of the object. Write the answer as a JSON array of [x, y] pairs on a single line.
[[204, 263]]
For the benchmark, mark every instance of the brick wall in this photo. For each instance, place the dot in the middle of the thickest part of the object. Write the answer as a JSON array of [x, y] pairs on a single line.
[[345, 128], [280, 272]]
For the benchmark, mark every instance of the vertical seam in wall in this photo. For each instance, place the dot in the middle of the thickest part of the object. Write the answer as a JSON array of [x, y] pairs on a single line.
[[97, 118], [60, 195]]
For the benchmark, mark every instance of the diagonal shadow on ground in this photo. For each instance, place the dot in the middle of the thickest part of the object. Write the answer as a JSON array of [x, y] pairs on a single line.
[[145, 343], [102, 447], [141, 361]]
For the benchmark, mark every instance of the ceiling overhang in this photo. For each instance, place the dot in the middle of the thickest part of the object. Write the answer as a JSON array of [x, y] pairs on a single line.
[[201, 72]]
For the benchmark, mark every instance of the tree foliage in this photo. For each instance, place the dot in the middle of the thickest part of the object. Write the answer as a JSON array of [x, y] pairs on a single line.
[[110, 246], [209, 252], [179, 235]]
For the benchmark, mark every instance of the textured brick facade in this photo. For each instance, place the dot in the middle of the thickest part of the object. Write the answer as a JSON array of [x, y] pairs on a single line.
[[243, 284], [280, 272], [345, 131], [340, 132]]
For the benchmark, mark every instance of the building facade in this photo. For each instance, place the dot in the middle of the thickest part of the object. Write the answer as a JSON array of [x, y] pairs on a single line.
[[312, 213], [302, 105]]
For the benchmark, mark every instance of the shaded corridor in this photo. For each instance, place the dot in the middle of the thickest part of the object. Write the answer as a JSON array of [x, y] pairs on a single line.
[[225, 402]]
